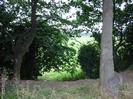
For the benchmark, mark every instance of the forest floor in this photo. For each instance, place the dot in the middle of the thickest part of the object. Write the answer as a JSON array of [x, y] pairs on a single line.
[[58, 84], [127, 78], [80, 89]]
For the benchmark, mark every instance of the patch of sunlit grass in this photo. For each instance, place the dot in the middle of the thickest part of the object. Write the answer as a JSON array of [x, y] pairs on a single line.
[[63, 76]]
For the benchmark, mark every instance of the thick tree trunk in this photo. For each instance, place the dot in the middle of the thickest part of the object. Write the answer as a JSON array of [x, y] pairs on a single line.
[[106, 62], [23, 43], [108, 79], [17, 67]]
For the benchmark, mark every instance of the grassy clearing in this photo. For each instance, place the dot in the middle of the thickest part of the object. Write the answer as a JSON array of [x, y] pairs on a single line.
[[62, 76], [37, 92], [82, 91]]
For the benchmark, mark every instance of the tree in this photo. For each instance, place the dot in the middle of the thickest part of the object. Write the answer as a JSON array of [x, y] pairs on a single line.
[[51, 36], [29, 69], [121, 31], [23, 43], [108, 79]]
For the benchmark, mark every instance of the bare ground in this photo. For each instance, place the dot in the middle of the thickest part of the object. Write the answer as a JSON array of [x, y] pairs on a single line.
[[58, 84], [127, 76]]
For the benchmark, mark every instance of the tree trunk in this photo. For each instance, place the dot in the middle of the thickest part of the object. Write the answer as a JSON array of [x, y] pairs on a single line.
[[23, 43], [17, 66], [108, 79]]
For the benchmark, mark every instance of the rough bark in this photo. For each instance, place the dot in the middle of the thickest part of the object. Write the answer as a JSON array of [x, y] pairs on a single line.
[[108, 79], [23, 43]]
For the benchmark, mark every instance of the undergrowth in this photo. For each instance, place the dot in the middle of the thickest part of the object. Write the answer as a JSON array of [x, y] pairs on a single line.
[[90, 91], [63, 76]]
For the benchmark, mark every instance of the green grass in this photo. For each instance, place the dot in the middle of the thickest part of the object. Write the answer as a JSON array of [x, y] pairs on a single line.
[[77, 92], [87, 91], [63, 76]]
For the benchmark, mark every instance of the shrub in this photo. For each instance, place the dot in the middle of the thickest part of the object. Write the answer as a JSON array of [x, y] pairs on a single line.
[[89, 59]]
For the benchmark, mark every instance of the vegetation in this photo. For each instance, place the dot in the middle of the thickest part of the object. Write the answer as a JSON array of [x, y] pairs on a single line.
[[89, 59], [90, 90], [64, 40], [50, 48], [33, 92], [63, 76]]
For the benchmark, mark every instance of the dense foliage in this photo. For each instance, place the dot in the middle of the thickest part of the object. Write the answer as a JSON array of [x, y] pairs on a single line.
[[56, 25], [49, 49], [89, 59]]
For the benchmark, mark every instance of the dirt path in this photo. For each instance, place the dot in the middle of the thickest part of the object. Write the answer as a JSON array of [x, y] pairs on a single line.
[[58, 84], [127, 78]]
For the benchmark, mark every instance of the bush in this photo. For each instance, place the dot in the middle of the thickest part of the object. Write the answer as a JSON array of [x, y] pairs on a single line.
[[89, 57]]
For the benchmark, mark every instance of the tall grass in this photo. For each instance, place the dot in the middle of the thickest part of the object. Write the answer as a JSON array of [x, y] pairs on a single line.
[[63, 75], [2, 83], [39, 92], [87, 91]]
